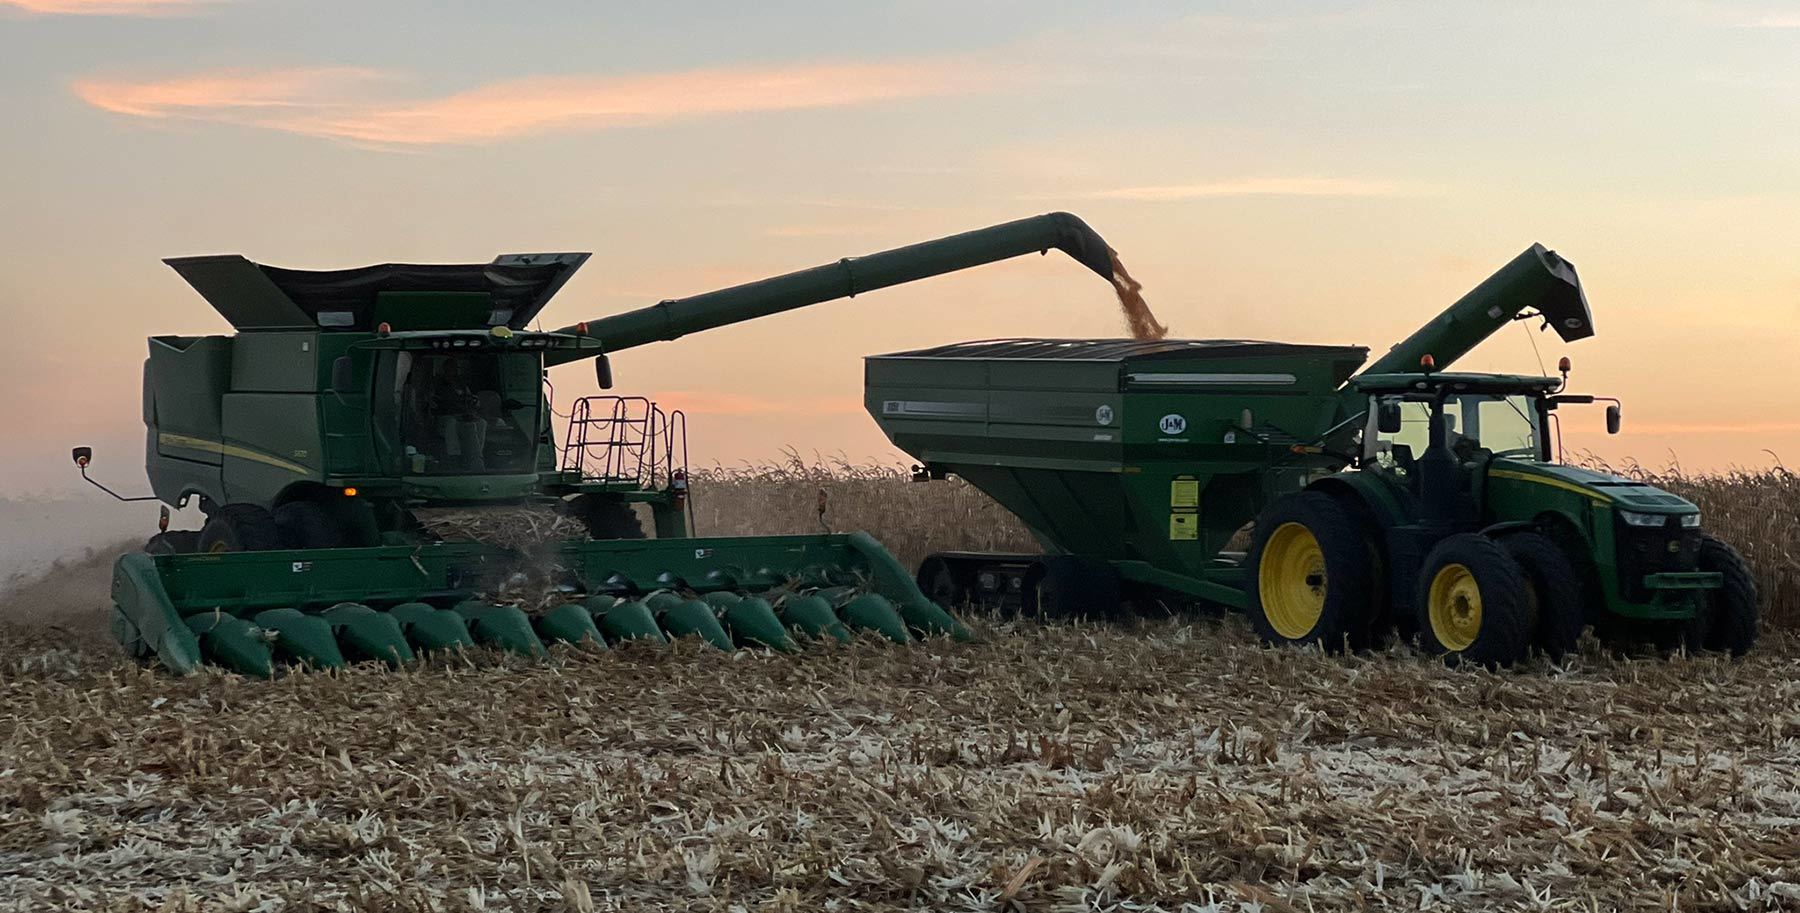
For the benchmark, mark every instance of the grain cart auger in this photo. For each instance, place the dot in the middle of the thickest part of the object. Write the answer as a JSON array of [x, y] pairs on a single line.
[[1401, 498], [351, 402]]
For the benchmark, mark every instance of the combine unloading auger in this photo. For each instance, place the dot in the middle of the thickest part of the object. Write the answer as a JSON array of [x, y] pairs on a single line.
[[350, 402]]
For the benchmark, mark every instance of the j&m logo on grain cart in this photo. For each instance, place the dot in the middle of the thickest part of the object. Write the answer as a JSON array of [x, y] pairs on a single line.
[[1173, 424]]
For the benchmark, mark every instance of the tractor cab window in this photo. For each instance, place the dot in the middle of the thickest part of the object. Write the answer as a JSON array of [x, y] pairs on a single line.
[[460, 413], [1474, 423]]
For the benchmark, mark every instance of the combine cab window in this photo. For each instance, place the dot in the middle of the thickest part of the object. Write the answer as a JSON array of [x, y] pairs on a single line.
[[1490, 422], [460, 414]]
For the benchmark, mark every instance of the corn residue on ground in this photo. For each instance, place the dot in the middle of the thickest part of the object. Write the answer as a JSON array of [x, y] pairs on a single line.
[[1142, 767]]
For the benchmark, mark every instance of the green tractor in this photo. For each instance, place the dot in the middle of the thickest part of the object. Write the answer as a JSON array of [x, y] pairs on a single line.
[[350, 403], [1398, 499]]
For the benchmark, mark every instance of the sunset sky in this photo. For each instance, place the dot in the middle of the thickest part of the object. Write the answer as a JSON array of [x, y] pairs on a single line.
[[1325, 172]]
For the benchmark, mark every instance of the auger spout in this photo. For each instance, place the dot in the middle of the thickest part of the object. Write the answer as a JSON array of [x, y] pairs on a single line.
[[845, 278], [1536, 280]]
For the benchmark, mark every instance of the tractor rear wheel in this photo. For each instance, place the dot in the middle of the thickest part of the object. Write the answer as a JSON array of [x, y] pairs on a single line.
[[1727, 620], [607, 518], [1554, 592], [240, 528], [1308, 574], [1474, 602]]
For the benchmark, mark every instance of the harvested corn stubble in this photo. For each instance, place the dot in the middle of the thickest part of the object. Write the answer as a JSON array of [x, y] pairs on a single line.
[[1158, 766]]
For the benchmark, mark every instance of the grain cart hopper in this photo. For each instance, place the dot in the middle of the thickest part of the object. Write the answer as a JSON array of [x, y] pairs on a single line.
[[350, 401], [1400, 497]]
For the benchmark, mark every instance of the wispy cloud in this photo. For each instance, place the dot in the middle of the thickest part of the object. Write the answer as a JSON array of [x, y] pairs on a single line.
[[337, 103], [106, 7], [1250, 187]]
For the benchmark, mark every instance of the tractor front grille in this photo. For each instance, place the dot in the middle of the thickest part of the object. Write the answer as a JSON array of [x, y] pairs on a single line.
[[1653, 550]]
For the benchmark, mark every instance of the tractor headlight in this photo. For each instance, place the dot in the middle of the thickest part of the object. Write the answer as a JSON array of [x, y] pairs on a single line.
[[1690, 521], [1633, 518]]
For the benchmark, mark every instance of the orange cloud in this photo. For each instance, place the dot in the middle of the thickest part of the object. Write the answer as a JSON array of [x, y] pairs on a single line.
[[711, 402], [332, 102], [105, 7], [1252, 187]]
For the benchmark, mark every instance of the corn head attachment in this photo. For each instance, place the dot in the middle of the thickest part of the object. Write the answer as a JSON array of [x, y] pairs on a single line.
[[254, 612]]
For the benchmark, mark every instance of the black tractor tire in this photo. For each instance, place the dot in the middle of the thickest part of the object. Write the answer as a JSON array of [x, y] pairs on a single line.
[[240, 528], [309, 524], [1727, 622], [1499, 631], [1555, 593], [1062, 587], [1318, 584], [173, 542], [607, 518]]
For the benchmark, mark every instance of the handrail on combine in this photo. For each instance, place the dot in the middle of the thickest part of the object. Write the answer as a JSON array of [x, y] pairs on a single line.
[[626, 439]]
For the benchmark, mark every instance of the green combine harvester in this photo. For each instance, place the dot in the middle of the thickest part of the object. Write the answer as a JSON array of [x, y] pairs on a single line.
[[1332, 507], [350, 402]]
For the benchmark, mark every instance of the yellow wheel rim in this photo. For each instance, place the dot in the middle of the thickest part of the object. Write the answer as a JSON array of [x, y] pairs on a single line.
[[218, 548], [1454, 607], [1291, 580]]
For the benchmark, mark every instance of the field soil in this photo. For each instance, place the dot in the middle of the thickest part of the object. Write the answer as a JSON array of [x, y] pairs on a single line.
[[1161, 765]]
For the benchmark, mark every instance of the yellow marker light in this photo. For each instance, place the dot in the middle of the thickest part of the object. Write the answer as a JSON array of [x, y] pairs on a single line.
[[350, 492], [501, 332]]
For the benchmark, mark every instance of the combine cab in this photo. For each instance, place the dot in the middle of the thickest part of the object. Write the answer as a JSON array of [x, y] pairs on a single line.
[[351, 402]]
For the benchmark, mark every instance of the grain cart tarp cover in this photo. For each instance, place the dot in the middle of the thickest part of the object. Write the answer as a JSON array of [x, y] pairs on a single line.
[[349, 405]]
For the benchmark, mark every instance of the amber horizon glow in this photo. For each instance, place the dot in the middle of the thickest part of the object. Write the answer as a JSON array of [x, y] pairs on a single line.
[[1332, 172]]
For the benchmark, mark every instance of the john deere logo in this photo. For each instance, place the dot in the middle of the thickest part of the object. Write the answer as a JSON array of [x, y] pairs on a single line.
[[1172, 424], [1103, 415]]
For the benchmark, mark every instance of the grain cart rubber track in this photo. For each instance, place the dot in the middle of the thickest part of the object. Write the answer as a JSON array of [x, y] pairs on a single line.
[[350, 404]]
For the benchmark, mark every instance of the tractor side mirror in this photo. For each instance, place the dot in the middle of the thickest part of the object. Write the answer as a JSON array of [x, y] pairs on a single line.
[[343, 375], [603, 372], [1612, 419], [82, 456], [1387, 417]]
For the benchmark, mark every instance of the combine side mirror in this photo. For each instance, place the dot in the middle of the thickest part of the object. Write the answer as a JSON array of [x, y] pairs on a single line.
[[1387, 417], [603, 372], [1612, 419], [82, 456], [343, 375]]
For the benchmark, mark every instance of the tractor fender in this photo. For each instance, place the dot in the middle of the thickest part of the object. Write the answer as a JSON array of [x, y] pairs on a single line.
[[1384, 505]]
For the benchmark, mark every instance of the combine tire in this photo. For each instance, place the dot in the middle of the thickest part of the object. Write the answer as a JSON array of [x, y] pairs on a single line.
[[608, 518], [1554, 592], [1309, 576], [173, 542], [307, 524], [1474, 602], [240, 528], [1727, 621]]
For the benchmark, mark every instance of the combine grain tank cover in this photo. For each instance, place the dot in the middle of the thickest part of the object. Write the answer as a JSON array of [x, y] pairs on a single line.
[[254, 296]]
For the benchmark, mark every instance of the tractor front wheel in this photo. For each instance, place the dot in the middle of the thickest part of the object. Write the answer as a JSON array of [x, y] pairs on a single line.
[[240, 528], [1309, 575], [1727, 620], [1555, 592], [1474, 602]]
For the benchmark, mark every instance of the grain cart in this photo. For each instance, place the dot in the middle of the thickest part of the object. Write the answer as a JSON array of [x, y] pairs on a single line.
[[1402, 497], [350, 401]]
